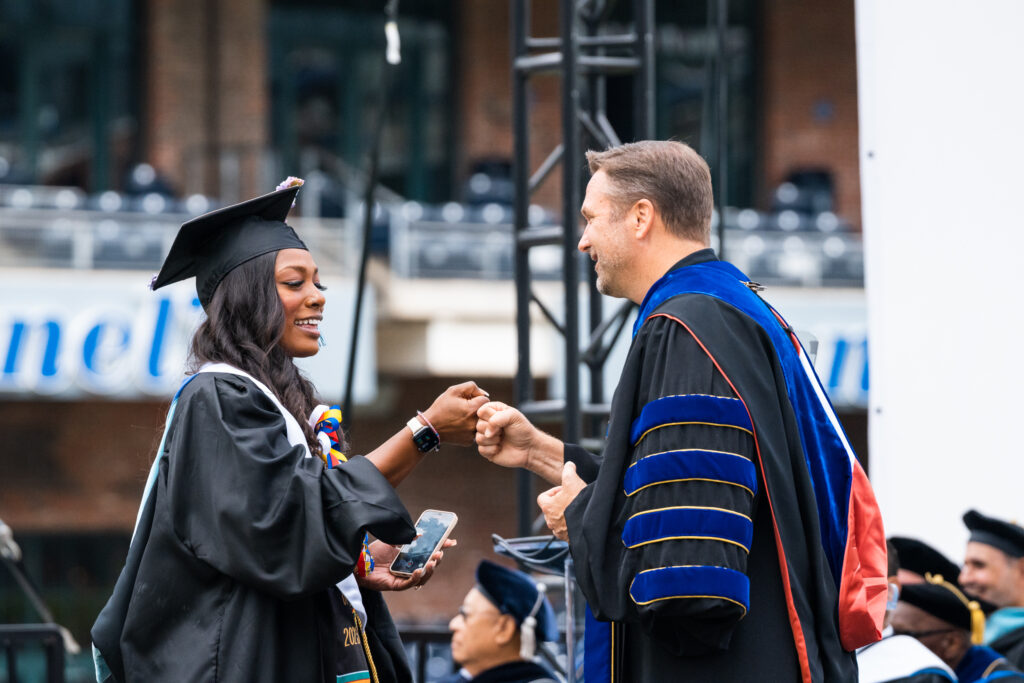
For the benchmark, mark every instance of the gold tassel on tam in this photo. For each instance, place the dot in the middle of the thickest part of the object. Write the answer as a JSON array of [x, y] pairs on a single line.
[[977, 615]]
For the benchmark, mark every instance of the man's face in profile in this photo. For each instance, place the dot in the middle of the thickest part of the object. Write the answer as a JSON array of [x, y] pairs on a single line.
[[475, 632], [606, 237]]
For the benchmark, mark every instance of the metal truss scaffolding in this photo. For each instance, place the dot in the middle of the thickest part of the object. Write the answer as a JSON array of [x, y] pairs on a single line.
[[588, 50]]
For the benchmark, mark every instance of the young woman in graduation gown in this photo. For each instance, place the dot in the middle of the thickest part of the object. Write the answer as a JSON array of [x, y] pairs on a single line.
[[241, 564]]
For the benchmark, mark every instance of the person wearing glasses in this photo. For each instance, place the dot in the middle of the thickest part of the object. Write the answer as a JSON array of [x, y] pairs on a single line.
[[950, 624], [498, 626]]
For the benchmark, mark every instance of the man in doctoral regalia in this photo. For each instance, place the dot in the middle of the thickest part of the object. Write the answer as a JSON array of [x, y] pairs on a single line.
[[713, 538]]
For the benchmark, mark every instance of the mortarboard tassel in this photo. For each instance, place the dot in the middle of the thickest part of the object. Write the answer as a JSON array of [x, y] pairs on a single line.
[[528, 630]]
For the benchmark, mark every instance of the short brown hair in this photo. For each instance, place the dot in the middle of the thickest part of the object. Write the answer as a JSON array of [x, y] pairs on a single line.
[[670, 174]]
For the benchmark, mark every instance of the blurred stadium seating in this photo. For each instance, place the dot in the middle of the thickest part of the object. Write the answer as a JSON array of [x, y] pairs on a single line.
[[800, 242]]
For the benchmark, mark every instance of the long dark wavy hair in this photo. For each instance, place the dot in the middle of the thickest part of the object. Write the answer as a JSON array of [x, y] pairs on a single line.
[[243, 327]]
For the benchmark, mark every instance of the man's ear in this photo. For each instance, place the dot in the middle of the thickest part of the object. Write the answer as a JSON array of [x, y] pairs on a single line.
[[1019, 563], [505, 629], [643, 215]]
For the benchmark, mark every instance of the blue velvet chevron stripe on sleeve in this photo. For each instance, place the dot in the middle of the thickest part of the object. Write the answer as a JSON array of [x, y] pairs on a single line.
[[690, 409], [677, 523], [690, 465], [668, 583]]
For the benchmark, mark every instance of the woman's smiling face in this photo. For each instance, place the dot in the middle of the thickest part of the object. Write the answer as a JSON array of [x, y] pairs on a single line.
[[298, 285]]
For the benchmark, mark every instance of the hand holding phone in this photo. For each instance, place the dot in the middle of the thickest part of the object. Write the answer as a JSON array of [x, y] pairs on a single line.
[[381, 579], [433, 528]]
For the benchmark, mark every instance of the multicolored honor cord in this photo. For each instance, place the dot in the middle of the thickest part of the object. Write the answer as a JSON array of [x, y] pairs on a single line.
[[328, 434], [365, 563]]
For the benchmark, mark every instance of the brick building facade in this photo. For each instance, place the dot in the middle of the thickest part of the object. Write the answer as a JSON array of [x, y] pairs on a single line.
[[809, 97]]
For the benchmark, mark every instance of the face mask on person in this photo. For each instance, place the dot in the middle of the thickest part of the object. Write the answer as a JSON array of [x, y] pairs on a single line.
[[894, 597]]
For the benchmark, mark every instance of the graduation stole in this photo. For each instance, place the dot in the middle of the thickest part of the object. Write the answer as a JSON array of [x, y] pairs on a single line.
[[326, 423]]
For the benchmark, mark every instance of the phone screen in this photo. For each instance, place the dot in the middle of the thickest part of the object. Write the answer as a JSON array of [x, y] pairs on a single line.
[[433, 528]]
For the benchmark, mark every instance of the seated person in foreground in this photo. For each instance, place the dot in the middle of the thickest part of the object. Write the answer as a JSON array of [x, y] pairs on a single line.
[[951, 625], [495, 631]]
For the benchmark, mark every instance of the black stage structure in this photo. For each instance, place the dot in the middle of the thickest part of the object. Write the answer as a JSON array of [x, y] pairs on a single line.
[[583, 56], [589, 49]]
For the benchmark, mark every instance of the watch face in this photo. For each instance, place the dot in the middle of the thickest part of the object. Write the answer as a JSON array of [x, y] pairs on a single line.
[[426, 440]]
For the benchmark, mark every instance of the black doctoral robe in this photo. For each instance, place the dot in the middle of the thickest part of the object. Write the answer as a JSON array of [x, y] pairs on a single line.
[[708, 351], [1011, 646], [238, 547]]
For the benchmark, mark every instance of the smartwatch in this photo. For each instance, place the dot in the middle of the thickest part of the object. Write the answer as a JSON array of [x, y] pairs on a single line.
[[424, 436]]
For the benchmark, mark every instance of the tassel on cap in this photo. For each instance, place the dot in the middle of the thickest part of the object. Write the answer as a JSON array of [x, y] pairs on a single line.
[[528, 629], [977, 615], [977, 623]]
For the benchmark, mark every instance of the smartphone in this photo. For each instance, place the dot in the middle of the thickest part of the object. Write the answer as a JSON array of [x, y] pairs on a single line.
[[432, 528]]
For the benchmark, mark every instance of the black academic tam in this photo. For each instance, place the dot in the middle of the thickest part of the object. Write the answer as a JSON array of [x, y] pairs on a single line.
[[212, 245]]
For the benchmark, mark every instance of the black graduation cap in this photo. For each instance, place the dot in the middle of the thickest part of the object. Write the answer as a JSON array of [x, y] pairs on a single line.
[[920, 558], [994, 532], [212, 245], [943, 600], [514, 592]]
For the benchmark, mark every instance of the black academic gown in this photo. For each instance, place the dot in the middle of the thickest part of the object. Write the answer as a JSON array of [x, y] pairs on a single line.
[[708, 348], [238, 547], [1011, 646], [513, 672]]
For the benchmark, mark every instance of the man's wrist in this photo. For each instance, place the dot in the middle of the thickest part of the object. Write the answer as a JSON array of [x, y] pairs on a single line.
[[545, 457]]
